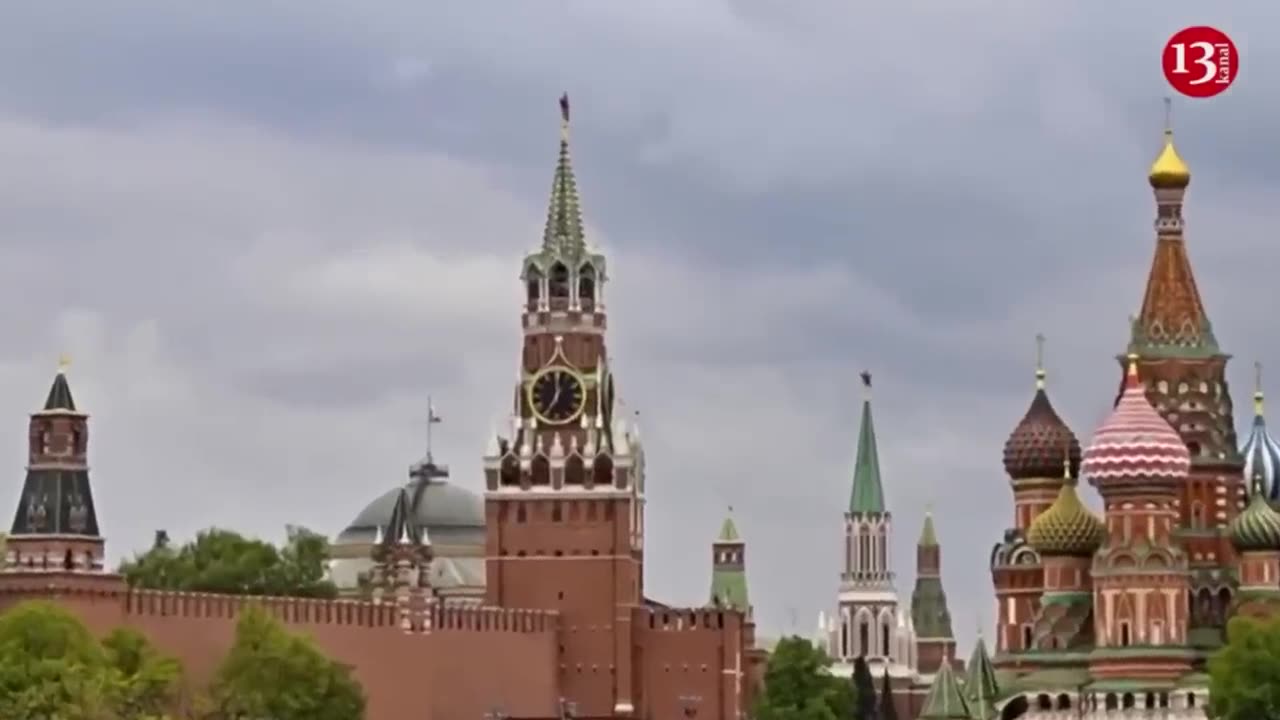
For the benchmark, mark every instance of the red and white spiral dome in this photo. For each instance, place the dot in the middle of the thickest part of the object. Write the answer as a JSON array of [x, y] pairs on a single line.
[[1135, 445]]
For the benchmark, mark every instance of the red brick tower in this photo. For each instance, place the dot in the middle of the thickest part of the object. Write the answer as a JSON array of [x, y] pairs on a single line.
[[1033, 459], [55, 529], [1140, 575], [930, 616], [1184, 372], [564, 501]]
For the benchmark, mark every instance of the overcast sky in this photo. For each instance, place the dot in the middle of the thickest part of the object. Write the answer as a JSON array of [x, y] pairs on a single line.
[[267, 231]]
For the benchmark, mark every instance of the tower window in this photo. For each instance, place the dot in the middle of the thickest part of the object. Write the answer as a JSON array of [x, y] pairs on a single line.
[[1026, 637], [587, 283], [884, 639], [1124, 635], [559, 281], [844, 639], [533, 286], [864, 637]]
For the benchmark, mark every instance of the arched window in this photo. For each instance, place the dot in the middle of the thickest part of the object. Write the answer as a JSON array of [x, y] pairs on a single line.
[[1044, 702], [559, 286], [1064, 701], [1197, 514], [1026, 637], [1128, 701], [844, 638], [864, 636], [1112, 703], [533, 286], [1124, 636], [885, 637], [587, 283]]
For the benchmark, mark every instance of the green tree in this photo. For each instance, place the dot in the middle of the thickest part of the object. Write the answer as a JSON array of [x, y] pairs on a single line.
[[144, 683], [1244, 676], [864, 692], [272, 673], [799, 686], [223, 561], [51, 666]]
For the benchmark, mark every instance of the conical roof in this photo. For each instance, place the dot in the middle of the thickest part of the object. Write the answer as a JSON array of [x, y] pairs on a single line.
[[945, 700], [980, 681], [867, 496], [1135, 444]]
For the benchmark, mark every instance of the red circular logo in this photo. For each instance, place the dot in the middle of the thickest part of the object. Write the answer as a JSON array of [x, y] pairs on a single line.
[[1200, 61]]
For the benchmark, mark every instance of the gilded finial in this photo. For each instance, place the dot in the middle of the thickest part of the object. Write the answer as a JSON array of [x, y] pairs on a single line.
[[564, 117], [1040, 374], [1066, 463], [1257, 389], [1169, 171], [64, 363], [1132, 368], [866, 382]]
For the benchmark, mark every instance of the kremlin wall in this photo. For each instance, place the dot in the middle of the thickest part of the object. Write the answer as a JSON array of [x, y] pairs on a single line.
[[529, 602]]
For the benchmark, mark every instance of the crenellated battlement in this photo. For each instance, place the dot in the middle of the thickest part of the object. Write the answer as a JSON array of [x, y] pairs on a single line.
[[443, 616], [692, 619]]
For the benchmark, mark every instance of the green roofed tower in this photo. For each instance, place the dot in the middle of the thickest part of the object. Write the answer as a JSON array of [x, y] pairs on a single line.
[[867, 621], [946, 700], [728, 568], [929, 612]]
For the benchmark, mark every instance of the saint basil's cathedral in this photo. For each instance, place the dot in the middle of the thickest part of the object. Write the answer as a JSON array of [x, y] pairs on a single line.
[[1110, 615]]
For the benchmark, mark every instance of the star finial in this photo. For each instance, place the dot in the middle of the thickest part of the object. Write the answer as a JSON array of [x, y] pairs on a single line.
[[1040, 375], [64, 363]]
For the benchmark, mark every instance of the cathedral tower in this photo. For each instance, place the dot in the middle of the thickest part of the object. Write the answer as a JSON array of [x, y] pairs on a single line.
[[565, 485], [935, 641], [1033, 457], [1184, 372], [1140, 574], [868, 611], [729, 568], [55, 529]]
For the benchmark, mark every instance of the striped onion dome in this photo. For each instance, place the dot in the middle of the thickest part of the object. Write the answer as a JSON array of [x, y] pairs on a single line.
[[1066, 527], [1257, 527], [1261, 453], [1134, 444]]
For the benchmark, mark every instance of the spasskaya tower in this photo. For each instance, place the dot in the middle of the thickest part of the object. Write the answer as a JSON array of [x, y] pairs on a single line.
[[564, 501]]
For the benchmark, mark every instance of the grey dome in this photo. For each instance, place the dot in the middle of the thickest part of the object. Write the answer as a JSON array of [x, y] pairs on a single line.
[[443, 508]]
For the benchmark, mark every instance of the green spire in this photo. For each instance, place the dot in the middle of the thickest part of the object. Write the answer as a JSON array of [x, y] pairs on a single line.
[[728, 531], [564, 235], [928, 536], [945, 701], [981, 682], [728, 568], [868, 494]]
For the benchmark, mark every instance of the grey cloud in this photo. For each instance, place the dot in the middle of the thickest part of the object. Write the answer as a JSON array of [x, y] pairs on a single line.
[[267, 255]]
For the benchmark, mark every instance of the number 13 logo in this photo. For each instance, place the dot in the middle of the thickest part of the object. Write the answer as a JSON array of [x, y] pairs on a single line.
[[1200, 61]]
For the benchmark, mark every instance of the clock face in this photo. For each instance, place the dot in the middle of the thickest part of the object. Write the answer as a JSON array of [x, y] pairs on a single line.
[[557, 396]]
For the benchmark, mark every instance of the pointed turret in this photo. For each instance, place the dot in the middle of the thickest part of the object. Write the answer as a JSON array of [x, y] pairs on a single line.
[[980, 683], [929, 613], [1172, 321], [564, 233], [402, 550], [55, 527], [868, 493], [945, 700], [728, 568], [1260, 451]]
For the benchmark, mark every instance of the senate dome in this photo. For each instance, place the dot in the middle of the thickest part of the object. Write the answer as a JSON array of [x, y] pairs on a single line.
[[452, 516]]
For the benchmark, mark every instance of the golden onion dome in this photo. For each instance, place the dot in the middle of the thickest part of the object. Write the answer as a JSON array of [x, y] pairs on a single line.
[[1257, 527], [1067, 527], [1169, 171]]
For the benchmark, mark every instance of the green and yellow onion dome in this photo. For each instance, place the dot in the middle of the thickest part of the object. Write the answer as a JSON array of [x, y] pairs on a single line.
[[1257, 527], [1066, 527]]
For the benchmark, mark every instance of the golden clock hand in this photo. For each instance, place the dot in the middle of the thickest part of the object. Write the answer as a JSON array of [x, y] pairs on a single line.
[[554, 398]]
